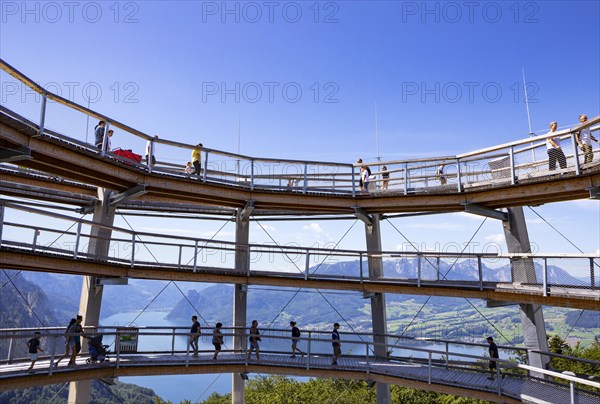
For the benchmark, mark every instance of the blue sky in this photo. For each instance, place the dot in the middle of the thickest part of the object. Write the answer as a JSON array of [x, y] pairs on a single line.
[[445, 77]]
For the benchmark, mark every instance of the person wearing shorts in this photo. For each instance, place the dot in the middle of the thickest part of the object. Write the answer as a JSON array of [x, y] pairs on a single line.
[[75, 339], [34, 346], [217, 339], [254, 340]]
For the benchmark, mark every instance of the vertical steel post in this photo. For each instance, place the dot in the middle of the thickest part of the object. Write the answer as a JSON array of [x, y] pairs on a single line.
[[77, 239], [498, 378], [429, 369], [179, 259], [42, 115], [353, 182], [511, 155], [10, 348], [438, 268], [367, 356], [118, 343], [447, 354], [151, 154], [480, 272], [360, 266], [1, 220], [545, 277], [575, 154], [307, 265], [304, 188], [35, 235], [195, 254], [173, 342], [132, 249], [252, 175], [418, 270], [308, 351], [572, 391], [592, 274], [52, 354], [204, 174], [405, 178], [458, 176]]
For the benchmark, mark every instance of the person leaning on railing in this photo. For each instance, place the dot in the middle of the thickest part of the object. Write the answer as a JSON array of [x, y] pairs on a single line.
[[584, 139], [555, 153], [99, 134]]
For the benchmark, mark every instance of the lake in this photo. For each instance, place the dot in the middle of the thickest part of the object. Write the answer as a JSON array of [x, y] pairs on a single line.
[[198, 387]]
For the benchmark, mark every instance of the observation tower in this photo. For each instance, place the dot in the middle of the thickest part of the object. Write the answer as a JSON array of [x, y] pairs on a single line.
[[46, 163]]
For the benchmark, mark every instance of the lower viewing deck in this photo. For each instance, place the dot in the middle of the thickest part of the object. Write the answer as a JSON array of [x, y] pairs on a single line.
[[460, 381]]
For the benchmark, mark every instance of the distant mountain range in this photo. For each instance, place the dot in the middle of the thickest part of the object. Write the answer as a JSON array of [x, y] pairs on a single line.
[[56, 296]]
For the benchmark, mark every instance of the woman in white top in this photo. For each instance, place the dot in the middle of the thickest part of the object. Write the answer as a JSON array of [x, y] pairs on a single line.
[[555, 153], [584, 140]]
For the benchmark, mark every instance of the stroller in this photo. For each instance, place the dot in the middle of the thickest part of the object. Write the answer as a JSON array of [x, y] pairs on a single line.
[[97, 351]]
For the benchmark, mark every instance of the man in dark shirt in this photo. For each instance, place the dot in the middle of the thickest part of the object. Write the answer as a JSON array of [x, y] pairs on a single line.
[[194, 335], [493, 350], [335, 342], [34, 346]]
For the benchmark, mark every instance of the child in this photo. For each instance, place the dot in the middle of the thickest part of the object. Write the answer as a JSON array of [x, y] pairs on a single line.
[[34, 346], [188, 168], [217, 339]]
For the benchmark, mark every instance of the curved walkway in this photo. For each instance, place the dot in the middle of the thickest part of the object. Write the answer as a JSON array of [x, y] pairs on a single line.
[[510, 174], [460, 381]]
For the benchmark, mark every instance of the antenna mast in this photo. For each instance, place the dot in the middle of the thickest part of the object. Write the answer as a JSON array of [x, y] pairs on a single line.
[[531, 134]]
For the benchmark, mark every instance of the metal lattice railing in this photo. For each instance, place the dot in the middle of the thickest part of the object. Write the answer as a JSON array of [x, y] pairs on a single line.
[[74, 238], [67, 122]]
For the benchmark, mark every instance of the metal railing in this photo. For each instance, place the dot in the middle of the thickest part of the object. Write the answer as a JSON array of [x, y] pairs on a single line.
[[360, 347], [549, 273], [57, 118]]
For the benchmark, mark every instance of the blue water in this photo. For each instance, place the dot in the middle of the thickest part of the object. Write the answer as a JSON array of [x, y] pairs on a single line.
[[198, 387], [173, 388]]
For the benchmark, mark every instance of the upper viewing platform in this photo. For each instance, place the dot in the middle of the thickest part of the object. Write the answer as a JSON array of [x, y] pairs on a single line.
[[44, 132]]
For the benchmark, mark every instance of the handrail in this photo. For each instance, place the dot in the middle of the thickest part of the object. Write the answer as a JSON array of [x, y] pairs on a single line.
[[267, 333], [408, 180], [291, 249]]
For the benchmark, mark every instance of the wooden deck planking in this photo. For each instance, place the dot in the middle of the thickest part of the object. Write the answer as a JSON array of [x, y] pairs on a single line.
[[524, 389]]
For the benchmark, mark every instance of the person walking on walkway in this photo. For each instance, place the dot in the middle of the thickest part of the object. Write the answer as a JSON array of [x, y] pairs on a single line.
[[440, 173], [335, 342], [194, 335], [295, 338], [493, 350], [217, 339], [34, 346], [584, 139], [555, 153], [67, 346], [76, 332], [196, 157], [254, 340]]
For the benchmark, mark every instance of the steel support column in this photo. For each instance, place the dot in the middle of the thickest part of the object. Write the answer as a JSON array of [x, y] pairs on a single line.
[[378, 315], [91, 293], [523, 271], [240, 295]]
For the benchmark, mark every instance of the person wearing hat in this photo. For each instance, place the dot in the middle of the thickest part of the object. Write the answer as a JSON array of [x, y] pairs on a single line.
[[335, 342], [493, 350], [295, 338]]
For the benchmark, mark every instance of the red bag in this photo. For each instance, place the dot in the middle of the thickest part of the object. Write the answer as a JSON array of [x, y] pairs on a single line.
[[129, 155]]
